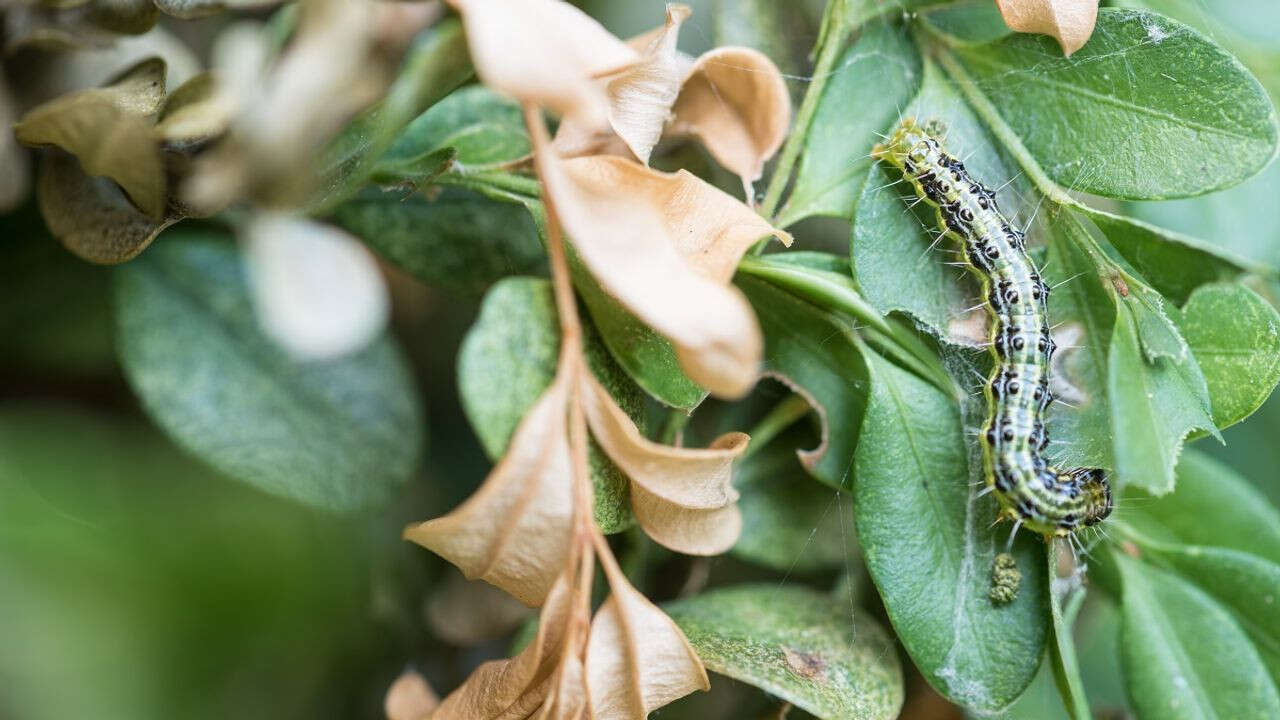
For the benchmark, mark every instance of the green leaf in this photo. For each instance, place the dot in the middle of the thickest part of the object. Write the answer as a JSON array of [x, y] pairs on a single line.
[[484, 129], [916, 508], [1147, 109], [457, 239], [1085, 314], [1065, 597], [815, 353], [436, 64], [338, 435], [1153, 407], [896, 261], [872, 79], [789, 523], [1184, 656], [807, 648], [509, 358], [1173, 263], [648, 358], [1235, 336], [1213, 506]]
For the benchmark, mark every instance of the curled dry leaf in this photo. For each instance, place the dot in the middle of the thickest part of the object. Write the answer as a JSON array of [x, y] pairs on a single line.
[[682, 497], [193, 114], [317, 291], [545, 52], [514, 531], [90, 215], [637, 659], [735, 102], [110, 130], [410, 697], [517, 687], [665, 245], [189, 9], [640, 97], [1070, 22]]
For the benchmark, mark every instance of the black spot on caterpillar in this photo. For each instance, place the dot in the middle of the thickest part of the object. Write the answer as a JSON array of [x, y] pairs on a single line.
[[1029, 490]]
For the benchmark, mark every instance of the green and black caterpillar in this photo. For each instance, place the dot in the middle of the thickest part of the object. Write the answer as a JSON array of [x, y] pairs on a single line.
[[1030, 491]]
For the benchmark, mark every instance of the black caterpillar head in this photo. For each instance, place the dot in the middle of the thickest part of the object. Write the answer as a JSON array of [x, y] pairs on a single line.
[[1095, 491]]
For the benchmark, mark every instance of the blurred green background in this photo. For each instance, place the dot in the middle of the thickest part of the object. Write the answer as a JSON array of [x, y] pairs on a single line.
[[136, 583]]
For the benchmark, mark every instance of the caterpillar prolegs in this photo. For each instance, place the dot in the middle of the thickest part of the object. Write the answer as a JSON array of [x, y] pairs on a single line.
[[1043, 498]]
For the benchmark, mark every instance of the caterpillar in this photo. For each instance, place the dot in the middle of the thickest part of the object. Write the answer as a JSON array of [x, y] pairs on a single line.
[[1034, 494]]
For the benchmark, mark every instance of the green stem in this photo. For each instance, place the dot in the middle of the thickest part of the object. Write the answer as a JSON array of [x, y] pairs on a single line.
[[677, 419], [834, 291], [830, 41], [781, 417]]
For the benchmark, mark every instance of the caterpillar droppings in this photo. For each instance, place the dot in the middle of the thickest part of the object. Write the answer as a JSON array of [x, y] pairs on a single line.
[[1030, 491]]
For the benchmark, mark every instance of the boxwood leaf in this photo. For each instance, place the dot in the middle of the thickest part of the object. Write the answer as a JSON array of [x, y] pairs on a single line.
[[1156, 403], [509, 358], [814, 352], [789, 522], [457, 239], [874, 77], [337, 434], [1184, 655], [1235, 336], [483, 128], [915, 508], [808, 648], [1119, 118]]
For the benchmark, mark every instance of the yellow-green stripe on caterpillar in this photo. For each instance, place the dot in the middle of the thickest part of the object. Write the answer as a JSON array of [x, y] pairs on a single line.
[[1029, 490]]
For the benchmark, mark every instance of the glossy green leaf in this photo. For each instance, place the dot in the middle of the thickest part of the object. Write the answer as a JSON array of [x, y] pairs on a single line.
[[436, 64], [1235, 336], [874, 77], [1084, 313], [1184, 655], [483, 128], [807, 648], [509, 358], [1155, 403], [1119, 118], [1173, 263], [457, 239], [896, 261], [339, 434], [789, 522], [648, 358], [915, 509], [815, 353], [1065, 598], [1213, 506]]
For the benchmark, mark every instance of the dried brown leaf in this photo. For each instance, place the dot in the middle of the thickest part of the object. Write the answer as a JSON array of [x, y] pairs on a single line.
[[1070, 22], [517, 687], [410, 697], [514, 531], [665, 245], [90, 215], [110, 130], [640, 98], [735, 102], [545, 52], [637, 659], [682, 497]]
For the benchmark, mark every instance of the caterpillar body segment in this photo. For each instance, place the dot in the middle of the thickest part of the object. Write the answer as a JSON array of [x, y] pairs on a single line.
[[1046, 499]]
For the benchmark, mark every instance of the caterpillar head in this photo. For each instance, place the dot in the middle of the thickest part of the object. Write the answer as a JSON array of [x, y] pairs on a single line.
[[907, 147], [1095, 491]]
